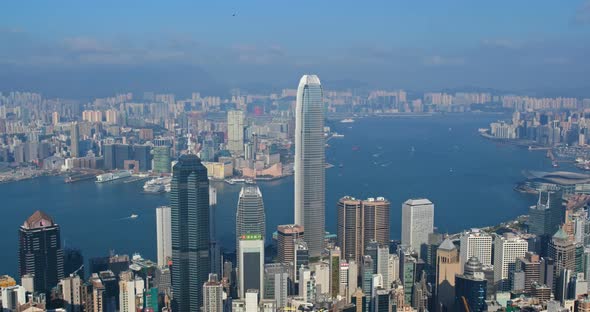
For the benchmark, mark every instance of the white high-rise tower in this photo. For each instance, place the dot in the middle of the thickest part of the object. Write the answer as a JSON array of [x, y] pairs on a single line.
[[417, 222], [310, 161], [163, 235]]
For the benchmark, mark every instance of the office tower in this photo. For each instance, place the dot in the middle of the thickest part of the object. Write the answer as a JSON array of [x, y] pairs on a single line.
[[421, 294], [350, 228], [251, 264], [55, 118], [189, 201], [98, 294], [471, 288], [164, 235], [353, 275], [546, 215], [214, 246], [73, 262], [417, 222], [75, 140], [408, 271], [367, 275], [131, 289], [447, 266], [70, 289], [475, 243], [507, 249], [301, 257], [212, 295], [40, 252], [360, 222], [13, 297], [277, 282], [143, 155], [562, 289], [322, 277], [393, 269], [563, 252], [286, 236], [359, 299], [334, 271], [161, 159], [375, 220], [381, 301], [310, 207], [380, 255], [250, 218], [530, 265], [235, 132], [110, 293]]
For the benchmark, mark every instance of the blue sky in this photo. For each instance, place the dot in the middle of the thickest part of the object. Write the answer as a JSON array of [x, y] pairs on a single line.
[[102, 47]]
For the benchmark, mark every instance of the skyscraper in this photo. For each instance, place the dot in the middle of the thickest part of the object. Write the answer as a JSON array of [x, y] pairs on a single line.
[[310, 162], [75, 140], [563, 251], [163, 235], [189, 201], [471, 288], [161, 159], [250, 218], [507, 249], [286, 236], [235, 132], [475, 243], [70, 289], [40, 252], [417, 222], [212, 295], [359, 223], [447, 266], [251, 264]]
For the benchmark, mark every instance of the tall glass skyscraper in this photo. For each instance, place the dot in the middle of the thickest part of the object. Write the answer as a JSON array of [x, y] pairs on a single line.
[[189, 201], [40, 252], [250, 218], [310, 161]]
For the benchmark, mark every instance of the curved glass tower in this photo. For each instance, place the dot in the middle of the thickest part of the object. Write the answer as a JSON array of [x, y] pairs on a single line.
[[250, 218], [189, 202], [310, 163]]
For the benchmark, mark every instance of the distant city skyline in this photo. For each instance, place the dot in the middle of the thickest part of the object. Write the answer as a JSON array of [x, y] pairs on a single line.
[[512, 46]]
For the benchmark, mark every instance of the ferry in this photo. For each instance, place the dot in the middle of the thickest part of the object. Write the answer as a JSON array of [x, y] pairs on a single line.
[[112, 176], [157, 185], [234, 181], [337, 135], [133, 216], [347, 120]]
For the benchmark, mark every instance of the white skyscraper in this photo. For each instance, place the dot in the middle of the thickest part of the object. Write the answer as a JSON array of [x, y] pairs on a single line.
[[506, 249], [251, 264], [250, 217], [417, 222], [130, 289], [235, 132], [310, 163], [163, 235], [475, 243]]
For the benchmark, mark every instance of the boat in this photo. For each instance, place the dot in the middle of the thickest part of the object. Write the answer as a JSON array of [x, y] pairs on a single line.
[[337, 135], [157, 185], [234, 181], [112, 176], [347, 120], [133, 216], [250, 181], [554, 164]]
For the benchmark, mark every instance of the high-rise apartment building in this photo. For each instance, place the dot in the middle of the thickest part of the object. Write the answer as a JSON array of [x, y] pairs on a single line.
[[189, 201], [417, 222], [310, 158], [235, 132], [164, 235], [39, 251], [70, 289], [75, 140]]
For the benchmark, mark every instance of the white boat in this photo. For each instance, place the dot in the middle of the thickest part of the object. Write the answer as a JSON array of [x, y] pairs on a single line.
[[157, 185], [234, 181], [111, 176], [347, 120], [133, 216], [337, 135], [250, 181]]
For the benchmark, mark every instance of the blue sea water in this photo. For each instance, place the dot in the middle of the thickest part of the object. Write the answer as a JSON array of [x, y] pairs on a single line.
[[468, 178]]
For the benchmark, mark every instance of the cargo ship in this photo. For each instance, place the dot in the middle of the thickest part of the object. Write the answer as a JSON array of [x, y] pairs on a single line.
[[112, 176], [347, 120]]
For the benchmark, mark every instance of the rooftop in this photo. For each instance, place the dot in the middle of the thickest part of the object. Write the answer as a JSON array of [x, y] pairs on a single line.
[[418, 202], [37, 220]]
